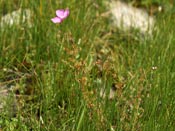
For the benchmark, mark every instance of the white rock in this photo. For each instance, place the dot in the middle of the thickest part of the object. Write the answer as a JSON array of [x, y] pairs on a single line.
[[16, 18], [111, 95], [3, 96], [7, 100], [127, 17]]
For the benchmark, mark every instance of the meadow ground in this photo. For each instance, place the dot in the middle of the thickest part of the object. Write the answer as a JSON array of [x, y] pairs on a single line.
[[57, 71]]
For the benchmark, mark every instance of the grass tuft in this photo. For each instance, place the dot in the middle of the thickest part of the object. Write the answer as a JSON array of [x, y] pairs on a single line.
[[56, 72]]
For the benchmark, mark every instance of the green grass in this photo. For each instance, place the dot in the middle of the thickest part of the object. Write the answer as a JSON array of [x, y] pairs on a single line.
[[55, 70]]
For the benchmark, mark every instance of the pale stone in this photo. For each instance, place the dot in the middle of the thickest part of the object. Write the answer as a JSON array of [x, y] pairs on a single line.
[[7, 100], [127, 17], [16, 18], [111, 95]]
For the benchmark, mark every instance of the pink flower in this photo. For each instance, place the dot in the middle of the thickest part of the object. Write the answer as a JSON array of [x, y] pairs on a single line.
[[61, 15]]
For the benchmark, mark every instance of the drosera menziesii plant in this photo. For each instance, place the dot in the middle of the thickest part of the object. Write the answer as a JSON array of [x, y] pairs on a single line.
[[61, 15]]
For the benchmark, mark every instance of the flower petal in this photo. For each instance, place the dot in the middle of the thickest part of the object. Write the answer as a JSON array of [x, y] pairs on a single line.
[[66, 13], [56, 20], [62, 13]]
